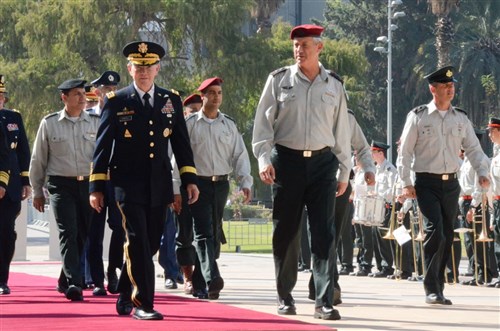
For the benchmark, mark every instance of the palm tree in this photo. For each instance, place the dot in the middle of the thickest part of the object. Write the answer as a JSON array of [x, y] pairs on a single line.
[[262, 12], [444, 28]]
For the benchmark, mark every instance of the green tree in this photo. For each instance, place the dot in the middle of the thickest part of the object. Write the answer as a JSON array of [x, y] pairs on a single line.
[[444, 28]]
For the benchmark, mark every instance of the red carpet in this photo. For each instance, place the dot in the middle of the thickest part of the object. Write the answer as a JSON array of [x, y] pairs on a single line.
[[35, 305]]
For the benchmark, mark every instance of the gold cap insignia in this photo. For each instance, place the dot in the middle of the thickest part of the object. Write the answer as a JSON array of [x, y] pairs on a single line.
[[143, 48], [449, 73]]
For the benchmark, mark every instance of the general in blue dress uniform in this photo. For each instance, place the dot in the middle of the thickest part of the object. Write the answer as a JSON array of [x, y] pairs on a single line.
[[18, 189], [132, 145]]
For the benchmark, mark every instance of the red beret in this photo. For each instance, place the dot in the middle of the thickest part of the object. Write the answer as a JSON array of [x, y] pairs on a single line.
[[209, 82], [306, 30], [193, 98]]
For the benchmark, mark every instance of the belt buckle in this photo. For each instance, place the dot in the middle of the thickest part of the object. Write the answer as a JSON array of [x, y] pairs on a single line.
[[215, 178], [445, 177], [80, 178], [307, 153]]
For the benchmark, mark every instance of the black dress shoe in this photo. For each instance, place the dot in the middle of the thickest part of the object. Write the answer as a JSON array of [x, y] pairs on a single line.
[[494, 284], [360, 273], [74, 293], [287, 307], [200, 294], [473, 282], [124, 304], [380, 274], [99, 291], [112, 282], [214, 288], [402, 275], [147, 314], [437, 299], [4, 289], [345, 271], [326, 313]]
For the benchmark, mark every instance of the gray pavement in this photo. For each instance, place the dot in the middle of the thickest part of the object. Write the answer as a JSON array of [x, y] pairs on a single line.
[[368, 303]]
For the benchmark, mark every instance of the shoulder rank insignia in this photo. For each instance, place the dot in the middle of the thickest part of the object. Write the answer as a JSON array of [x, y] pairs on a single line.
[[111, 94], [336, 76], [175, 92], [229, 117], [277, 71], [418, 109], [51, 115], [15, 110], [460, 110]]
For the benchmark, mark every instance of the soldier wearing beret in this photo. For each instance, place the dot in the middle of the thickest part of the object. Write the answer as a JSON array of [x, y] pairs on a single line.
[[301, 138], [192, 104], [14, 172], [431, 140], [219, 151], [137, 122], [62, 153], [91, 97], [494, 134], [107, 82]]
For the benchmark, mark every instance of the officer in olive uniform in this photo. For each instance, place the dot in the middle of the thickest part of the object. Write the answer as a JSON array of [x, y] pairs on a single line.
[[301, 137], [219, 151], [62, 152], [18, 187], [107, 82], [432, 137], [137, 123]]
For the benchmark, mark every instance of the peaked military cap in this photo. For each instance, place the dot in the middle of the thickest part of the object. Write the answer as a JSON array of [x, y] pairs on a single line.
[[107, 78], [494, 123], [306, 30], [143, 53], [379, 146], [2, 84], [193, 98], [90, 94], [442, 75], [209, 82], [71, 84]]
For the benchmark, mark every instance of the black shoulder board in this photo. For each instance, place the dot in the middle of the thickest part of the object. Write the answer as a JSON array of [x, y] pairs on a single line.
[[51, 115], [93, 115], [419, 109], [350, 112], [191, 116], [337, 77], [277, 71], [229, 117], [460, 110]]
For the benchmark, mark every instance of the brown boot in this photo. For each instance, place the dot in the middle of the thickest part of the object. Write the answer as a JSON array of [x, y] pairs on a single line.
[[187, 272]]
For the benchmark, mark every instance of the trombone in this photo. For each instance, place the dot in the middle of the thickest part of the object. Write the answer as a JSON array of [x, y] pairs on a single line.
[[417, 239], [482, 237]]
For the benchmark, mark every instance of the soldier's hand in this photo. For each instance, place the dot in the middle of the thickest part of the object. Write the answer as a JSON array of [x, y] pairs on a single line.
[[248, 194], [26, 192], [484, 182], [369, 178], [341, 187], [177, 205], [409, 192], [267, 175], [193, 193], [2, 192], [96, 200], [39, 204]]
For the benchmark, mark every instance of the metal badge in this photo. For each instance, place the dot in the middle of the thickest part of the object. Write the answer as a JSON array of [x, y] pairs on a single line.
[[167, 132]]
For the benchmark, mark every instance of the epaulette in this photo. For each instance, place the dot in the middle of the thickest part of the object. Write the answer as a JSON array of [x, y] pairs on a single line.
[[93, 114], [337, 77], [51, 115], [191, 116], [175, 92], [460, 110], [229, 117], [418, 109], [15, 110], [277, 71], [350, 112], [111, 94]]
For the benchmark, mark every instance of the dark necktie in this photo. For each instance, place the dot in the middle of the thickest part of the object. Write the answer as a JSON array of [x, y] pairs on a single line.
[[147, 104]]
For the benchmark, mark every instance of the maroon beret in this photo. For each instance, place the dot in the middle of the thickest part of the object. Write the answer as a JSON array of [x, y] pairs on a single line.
[[193, 98], [306, 30], [209, 82]]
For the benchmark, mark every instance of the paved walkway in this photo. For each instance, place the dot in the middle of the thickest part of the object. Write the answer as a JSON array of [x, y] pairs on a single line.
[[368, 304]]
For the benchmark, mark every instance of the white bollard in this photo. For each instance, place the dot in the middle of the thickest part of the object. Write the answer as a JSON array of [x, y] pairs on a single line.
[[21, 230]]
